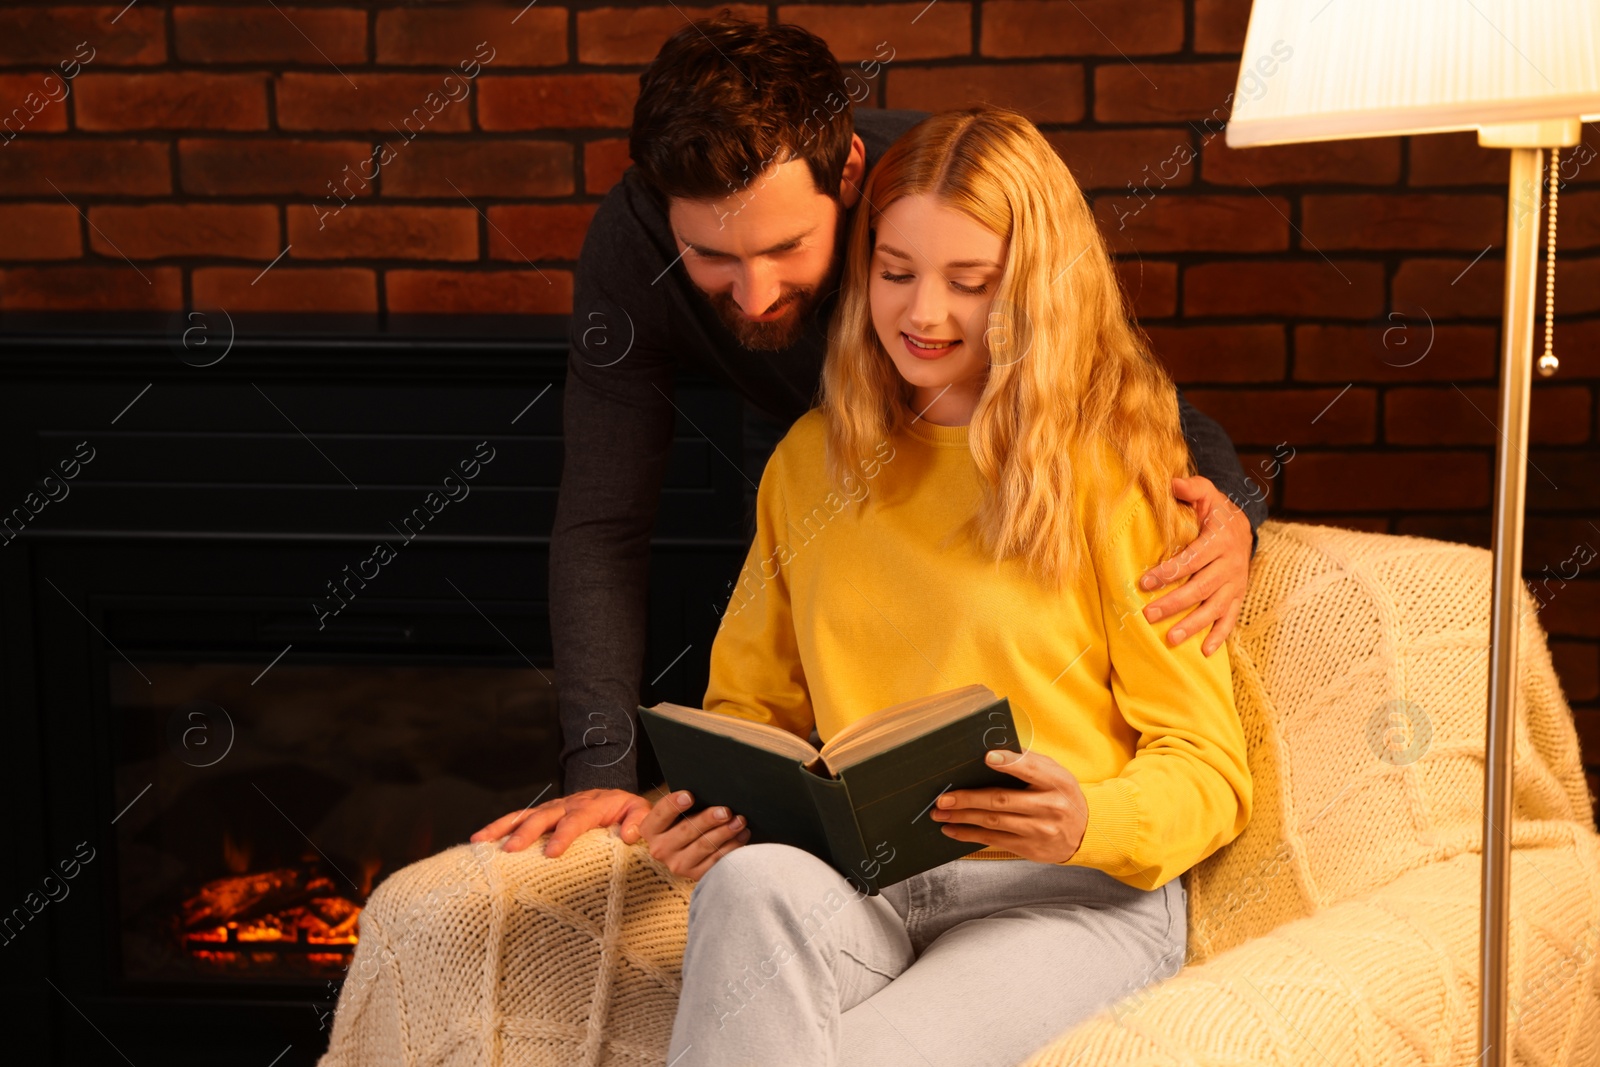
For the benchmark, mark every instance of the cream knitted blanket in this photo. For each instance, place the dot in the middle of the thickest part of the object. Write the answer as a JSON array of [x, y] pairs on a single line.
[[1339, 928]]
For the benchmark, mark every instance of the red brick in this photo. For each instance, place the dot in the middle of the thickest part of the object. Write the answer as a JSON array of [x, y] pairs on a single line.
[[1168, 92], [269, 167], [1219, 353], [1577, 345], [1084, 28], [1395, 349], [603, 164], [1464, 529], [172, 101], [1151, 287], [1578, 666], [39, 231], [1577, 222], [372, 232], [50, 34], [1442, 288], [32, 103], [1577, 287], [1453, 288], [1371, 524], [1456, 159], [557, 101], [1311, 288], [1219, 25], [1552, 540], [855, 31], [1403, 220], [1563, 480], [119, 288], [1362, 161], [481, 168], [152, 231], [1574, 611], [1587, 723], [285, 288], [535, 292], [1581, 163], [616, 35], [1045, 92], [1386, 481], [528, 232], [56, 167], [275, 34], [399, 106], [1299, 417], [451, 35], [1183, 222], [1561, 415], [353, 180], [1456, 416], [1111, 159]]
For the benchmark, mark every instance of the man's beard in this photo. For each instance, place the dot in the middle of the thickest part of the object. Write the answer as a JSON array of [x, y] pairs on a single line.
[[801, 304]]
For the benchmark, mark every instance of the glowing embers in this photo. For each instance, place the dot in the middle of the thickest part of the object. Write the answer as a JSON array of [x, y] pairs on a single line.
[[253, 918]]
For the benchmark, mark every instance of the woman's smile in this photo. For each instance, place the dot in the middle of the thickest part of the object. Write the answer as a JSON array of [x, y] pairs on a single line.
[[926, 348]]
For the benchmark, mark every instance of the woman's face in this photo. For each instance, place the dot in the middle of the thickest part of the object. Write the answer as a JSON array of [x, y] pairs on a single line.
[[932, 279]]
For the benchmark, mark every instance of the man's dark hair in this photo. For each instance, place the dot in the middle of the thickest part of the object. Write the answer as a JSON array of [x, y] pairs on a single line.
[[725, 98]]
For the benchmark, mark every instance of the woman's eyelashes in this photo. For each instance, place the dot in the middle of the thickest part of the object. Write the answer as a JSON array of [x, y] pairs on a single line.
[[897, 278]]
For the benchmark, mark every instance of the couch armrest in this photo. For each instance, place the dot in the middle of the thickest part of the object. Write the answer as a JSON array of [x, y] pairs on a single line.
[[1390, 978], [480, 956]]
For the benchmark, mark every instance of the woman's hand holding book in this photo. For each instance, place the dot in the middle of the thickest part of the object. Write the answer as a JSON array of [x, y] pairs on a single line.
[[1044, 823]]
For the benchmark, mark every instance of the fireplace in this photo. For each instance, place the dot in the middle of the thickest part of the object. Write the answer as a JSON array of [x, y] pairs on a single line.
[[262, 812], [227, 720]]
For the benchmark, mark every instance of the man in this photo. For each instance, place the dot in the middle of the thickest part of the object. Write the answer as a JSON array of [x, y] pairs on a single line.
[[721, 248]]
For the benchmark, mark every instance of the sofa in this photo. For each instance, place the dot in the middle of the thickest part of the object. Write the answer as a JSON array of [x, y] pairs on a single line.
[[1340, 928]]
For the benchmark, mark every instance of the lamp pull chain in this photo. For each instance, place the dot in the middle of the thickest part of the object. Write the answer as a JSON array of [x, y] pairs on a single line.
[[1548, 362]]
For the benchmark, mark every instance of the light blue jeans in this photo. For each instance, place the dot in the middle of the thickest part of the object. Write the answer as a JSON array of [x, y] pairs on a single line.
[[976, 963]]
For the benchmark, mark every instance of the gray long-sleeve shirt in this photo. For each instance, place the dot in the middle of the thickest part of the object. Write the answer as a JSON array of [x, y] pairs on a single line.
[[637, 318]]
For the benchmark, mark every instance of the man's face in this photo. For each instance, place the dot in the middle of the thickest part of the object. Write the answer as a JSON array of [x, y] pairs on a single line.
[[766, 255]]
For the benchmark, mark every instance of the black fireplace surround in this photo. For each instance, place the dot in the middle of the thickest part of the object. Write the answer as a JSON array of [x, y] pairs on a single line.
[[273, 601]]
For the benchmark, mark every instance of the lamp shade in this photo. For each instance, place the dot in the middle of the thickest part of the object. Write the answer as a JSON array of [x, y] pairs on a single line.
[[1321, 70]]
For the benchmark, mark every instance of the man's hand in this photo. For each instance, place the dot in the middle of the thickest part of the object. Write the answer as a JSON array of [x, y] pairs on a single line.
[[690, 847], [1218, 559], [571, 816], [1043, 823]]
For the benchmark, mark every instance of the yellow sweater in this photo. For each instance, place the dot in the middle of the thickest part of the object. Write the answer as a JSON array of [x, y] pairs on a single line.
[[853, 600]]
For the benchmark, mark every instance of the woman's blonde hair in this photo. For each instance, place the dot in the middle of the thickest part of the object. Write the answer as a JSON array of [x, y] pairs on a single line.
[[1068, 371]]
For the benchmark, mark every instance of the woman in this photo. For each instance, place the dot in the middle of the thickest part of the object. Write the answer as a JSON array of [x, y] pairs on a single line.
[[985, 479]]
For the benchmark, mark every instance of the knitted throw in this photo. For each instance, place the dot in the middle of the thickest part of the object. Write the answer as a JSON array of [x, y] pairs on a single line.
[[1341, 927]]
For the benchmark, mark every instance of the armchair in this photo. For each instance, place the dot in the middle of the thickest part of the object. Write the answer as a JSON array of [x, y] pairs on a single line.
[[1341, 927]]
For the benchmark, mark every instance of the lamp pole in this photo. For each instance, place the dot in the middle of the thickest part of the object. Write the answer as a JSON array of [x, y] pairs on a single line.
[[1511, 461]]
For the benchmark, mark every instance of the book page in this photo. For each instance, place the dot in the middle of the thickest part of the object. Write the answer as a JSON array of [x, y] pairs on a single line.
[[760, 734], [888, 727]]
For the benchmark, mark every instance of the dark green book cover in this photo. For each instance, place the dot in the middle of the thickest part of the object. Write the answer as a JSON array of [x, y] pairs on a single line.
[[872, 823]]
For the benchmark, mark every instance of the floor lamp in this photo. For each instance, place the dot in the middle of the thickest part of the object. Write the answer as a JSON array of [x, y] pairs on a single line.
[[1526, 75]]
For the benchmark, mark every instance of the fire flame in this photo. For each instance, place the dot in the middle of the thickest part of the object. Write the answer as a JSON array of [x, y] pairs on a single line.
[[287, 909], [235, 857]]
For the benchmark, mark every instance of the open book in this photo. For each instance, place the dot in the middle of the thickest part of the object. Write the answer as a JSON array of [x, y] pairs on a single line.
[[862, 801]]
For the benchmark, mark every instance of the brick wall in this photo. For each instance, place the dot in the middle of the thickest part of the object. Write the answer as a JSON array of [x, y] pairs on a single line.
[[1335, 306]]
